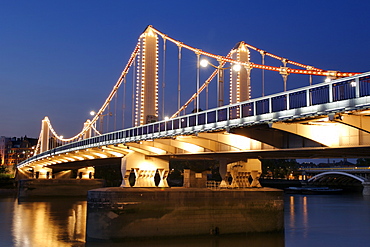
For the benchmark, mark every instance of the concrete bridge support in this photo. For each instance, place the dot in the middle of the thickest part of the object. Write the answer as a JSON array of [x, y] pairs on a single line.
[[40, 172], [145, 169], [366, 190], [86, 173], [244, 174]]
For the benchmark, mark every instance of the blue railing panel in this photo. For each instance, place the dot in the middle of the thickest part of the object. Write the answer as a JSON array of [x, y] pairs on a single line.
[[192, 120], [222, 114], [211, 117], [319, 95], [184, 122], [344, 90], [262, 106], [364, 86], [279, 103], [247, 109], [234, 112], [201, 118], [297, 99]]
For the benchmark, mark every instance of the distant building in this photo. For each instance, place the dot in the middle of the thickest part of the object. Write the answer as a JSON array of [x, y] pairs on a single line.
[[14, 150]]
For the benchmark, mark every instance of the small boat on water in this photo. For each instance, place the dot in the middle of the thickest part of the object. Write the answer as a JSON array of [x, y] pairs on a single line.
[[312, 190]]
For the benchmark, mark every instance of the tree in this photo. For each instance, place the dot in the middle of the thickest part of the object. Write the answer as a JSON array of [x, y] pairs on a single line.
[[363, 162], [3, 169]]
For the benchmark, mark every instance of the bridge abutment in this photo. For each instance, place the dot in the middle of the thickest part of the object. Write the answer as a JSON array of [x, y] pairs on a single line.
[[366, 190]]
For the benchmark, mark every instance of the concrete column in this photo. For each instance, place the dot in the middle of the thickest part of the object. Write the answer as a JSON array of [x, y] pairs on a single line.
[[40, 172], [241, 171], [223, 171], [125, 173], [86, 173], [366, 190], [163, 174]]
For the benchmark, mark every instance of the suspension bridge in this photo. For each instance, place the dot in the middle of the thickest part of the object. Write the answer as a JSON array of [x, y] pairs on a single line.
[[326, 119]]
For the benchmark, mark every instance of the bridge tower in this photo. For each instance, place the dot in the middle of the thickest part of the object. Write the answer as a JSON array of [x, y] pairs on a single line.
[[240, 80], [44, 142], [88, 132], [146, 105]]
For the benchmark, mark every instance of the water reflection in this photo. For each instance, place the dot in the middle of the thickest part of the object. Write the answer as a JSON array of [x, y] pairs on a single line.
[[298, 213], [54, 222], [62, 222], [325, 220]]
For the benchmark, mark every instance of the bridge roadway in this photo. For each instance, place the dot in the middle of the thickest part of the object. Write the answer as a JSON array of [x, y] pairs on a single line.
[[329, 119]]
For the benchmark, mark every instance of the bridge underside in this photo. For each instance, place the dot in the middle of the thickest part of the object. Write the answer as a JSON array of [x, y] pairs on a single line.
[[290, 153]]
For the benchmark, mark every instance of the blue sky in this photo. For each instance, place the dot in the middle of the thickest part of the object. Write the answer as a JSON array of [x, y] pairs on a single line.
[[61, 58]]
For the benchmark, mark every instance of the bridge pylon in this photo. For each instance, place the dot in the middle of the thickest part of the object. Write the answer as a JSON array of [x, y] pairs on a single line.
[[44, 144], [146, 105], [240, 80]]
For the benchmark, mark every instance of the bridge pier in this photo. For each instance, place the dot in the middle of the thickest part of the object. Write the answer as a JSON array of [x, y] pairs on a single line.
[[86, 173], [40, 172], [241, 172], [145, 169], [366, 190]]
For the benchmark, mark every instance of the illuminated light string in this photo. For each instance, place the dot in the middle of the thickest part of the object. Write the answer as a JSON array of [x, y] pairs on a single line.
[[104, 106], [222, 59], [310, 69]]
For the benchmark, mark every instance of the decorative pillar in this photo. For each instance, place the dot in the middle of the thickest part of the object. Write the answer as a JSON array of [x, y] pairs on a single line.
[[145, 169], [242, 171]]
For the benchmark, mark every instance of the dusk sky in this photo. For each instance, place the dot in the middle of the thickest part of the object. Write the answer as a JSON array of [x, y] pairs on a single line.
[[61, 58]]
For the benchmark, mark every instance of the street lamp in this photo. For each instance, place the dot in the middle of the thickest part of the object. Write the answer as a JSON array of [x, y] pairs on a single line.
[[220, 78], [101, 118]]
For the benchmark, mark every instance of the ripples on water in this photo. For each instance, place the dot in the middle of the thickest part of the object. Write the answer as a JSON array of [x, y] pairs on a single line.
[[312, 220]]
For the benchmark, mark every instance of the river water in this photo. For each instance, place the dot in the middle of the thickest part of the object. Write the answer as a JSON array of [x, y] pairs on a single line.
[[310, 220]]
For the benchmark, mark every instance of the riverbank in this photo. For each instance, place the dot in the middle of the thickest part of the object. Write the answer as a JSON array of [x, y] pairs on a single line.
[[8, 186]]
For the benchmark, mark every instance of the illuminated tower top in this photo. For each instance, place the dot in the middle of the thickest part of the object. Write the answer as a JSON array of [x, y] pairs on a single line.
[[146, 105], [240, 80]]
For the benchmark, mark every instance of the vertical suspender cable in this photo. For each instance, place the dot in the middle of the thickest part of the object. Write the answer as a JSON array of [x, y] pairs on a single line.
[[263, 73], [115, 113], [198, 72], [163, 75], [179, 80], [124, 101], [207, 97], [108, 114]]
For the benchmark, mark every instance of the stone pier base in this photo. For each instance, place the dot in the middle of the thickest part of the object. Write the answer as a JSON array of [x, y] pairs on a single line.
[[116, 214], [366, 190], [57, 187]]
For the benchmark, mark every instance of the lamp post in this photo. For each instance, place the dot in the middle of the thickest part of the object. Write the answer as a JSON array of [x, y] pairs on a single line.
[[101, 118], [220, 78]]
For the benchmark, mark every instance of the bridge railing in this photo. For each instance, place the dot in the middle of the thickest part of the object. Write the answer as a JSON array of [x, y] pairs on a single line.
[[318, 99]]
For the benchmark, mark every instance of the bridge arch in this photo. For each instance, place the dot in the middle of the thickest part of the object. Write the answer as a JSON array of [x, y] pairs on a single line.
[[361, 179]]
